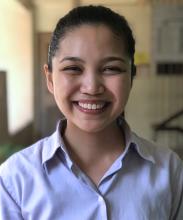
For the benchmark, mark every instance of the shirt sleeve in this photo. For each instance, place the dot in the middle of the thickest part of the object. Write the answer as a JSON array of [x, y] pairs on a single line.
[[177, 205], [8, 207]]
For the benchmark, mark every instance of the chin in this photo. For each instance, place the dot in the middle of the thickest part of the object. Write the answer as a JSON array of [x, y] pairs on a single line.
[[91, 127]]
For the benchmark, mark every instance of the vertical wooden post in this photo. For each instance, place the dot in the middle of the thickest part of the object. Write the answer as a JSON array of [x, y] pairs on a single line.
[[3, 108]]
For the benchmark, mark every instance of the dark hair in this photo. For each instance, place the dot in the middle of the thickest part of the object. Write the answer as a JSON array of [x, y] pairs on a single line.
[[92, 15]]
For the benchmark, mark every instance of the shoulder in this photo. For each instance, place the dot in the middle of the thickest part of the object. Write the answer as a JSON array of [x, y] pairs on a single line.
[[22, 169], [23, 160], [163, 156], [166, 173]]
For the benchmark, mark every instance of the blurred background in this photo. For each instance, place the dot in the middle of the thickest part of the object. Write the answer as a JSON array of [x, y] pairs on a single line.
[[155, 107]]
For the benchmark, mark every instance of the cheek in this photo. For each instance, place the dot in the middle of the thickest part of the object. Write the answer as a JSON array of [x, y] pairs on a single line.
[[127, 87], [61, 81], [120, 88], [64, 87]]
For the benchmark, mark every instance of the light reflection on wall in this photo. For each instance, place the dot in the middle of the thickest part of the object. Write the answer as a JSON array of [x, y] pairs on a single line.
[[16, 60]]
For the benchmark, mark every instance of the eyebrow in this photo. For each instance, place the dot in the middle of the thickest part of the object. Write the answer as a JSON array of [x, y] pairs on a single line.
[[107, 59], [114, 58], [72, 59]]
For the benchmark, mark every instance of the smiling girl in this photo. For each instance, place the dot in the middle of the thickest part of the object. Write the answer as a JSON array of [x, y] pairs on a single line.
[[93, 167]]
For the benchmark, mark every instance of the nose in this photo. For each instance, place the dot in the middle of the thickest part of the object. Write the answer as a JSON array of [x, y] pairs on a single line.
[[92, 83]]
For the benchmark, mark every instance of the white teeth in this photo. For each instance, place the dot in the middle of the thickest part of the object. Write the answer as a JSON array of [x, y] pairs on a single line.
[[91, 106], [98, 106], [94, 106]]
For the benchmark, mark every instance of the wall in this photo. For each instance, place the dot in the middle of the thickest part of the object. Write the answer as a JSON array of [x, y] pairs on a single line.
[[49, 12], [152, 100], [16, 60]]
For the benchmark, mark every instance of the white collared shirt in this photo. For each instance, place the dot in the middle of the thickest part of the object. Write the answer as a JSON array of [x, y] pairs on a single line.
[[41, 182]]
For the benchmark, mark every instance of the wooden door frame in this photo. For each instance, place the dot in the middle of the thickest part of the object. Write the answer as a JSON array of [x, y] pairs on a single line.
[[3, 108]]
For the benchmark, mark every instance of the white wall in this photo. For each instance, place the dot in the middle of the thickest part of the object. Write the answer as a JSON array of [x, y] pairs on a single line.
[[153, 99], [16, 60], [49, 12]]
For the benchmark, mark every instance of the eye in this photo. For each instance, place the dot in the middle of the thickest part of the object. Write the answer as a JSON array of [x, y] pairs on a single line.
[[72, 69], [111, 70]]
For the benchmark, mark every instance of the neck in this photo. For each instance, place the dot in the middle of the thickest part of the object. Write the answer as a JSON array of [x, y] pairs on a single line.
[[88, 147]]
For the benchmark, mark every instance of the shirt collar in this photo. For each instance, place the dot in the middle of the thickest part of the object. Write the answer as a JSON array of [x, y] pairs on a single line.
[[55, 142], [142, 146]]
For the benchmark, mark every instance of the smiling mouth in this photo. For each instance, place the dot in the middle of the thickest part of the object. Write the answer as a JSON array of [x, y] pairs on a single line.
[[92, 107]]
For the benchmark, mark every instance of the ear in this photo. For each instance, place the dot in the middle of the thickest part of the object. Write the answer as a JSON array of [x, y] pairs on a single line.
[[49, 78]]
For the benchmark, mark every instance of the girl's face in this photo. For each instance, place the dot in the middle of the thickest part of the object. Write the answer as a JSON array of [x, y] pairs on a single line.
[[90, 77]]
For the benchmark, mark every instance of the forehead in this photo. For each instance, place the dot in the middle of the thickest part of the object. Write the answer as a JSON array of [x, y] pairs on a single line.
[[91, 28], [93, 36]]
